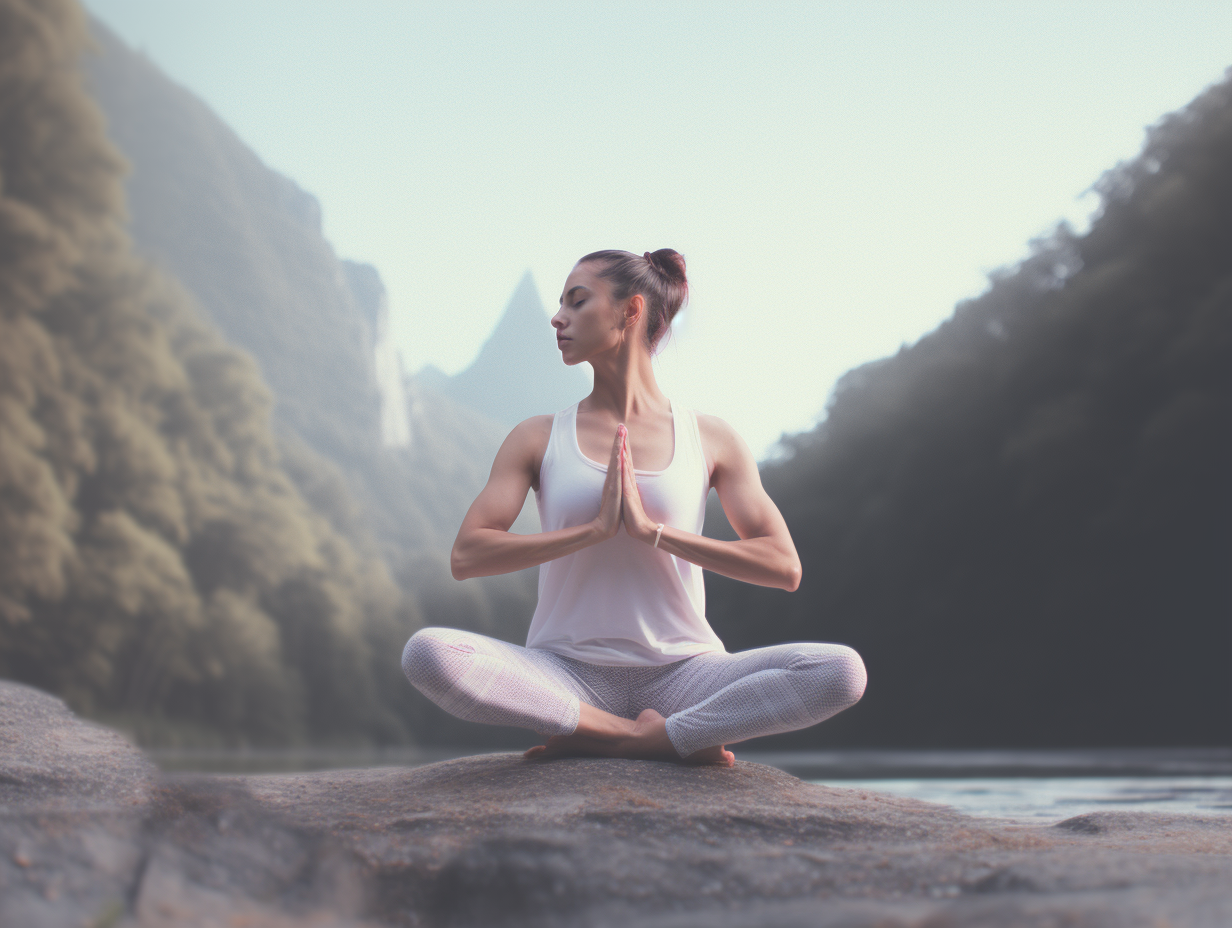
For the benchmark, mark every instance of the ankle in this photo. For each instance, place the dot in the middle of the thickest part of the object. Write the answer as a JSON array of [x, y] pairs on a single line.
[[610, 729]]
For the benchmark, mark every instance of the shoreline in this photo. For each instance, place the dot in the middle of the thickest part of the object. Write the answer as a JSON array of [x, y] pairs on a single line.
[[833, 764]]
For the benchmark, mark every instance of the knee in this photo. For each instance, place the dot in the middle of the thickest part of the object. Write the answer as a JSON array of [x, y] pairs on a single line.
[[836, 672], [431, 657], [853, 674]]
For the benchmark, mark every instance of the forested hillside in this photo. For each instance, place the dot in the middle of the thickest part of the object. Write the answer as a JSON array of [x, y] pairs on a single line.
[[247, 243], [159, 565], [1024, 520]]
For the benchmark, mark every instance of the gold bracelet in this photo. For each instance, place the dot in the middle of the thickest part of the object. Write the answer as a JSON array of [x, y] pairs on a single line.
[[658, 534]]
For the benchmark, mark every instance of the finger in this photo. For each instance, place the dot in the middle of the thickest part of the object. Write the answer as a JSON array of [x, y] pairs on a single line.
[[613, 485], [618, 443], [632, 496], [630, 474]]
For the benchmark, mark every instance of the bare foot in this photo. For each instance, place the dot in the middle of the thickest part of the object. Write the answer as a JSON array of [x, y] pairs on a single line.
[[717, 756], [643, 739], [574, 745]]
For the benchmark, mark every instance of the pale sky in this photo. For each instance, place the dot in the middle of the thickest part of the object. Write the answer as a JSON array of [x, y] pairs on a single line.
[[838, 175]]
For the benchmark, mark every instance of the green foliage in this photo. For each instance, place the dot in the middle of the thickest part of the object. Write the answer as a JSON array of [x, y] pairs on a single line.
[[246, 242], [1024, 521], [158, 561]]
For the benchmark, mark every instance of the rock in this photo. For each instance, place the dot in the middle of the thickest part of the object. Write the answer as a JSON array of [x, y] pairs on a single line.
[[498, 841], [49, 758], [71, 801]]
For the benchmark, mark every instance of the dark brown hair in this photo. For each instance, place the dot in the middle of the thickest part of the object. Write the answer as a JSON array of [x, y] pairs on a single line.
[[658, 276]]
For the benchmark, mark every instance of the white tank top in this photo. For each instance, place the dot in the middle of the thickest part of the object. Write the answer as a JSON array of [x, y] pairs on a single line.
[[622, 602]]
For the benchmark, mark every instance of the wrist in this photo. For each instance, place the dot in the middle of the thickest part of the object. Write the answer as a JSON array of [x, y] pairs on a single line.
[[600, 531], [648, 532]]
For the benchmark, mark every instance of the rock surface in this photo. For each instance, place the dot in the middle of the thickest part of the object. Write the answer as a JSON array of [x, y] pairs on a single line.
[[92, 835]]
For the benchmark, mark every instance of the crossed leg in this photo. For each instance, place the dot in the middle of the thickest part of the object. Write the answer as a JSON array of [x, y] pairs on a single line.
[[481, 679], [720, 698], [577, 705], [697, 706], [689, 709]]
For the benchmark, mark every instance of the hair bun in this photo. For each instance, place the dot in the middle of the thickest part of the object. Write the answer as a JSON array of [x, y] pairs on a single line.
[[668, 262]]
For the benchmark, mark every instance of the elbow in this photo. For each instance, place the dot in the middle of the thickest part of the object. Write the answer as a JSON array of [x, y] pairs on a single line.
[[458, 566], [792, 578]]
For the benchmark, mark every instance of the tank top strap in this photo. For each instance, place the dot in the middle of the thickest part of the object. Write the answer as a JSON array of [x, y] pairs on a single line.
[[691, 440], [559, 439]]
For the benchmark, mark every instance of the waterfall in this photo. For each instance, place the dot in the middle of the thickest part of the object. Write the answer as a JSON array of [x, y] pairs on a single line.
[[395, 426]]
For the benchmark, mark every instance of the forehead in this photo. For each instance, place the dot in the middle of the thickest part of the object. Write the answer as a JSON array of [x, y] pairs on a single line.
[[585, 275]]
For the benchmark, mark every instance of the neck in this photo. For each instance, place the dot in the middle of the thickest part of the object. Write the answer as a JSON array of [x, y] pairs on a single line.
[[625, 383]]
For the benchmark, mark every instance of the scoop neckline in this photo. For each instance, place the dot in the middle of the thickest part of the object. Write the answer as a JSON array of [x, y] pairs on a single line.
[[644, 473]]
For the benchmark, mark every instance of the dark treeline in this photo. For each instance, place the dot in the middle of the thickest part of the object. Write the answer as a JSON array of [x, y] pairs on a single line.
[[1024, 520], [159, 565]]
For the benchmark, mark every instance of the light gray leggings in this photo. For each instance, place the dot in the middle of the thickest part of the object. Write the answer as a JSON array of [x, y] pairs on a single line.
[[708, 700]]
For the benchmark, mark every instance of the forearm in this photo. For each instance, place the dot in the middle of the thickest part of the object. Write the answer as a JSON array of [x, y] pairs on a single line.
[[483, 552], [753, 560]]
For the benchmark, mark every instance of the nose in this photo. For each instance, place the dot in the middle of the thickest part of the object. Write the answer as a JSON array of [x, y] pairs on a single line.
[[558, 322]]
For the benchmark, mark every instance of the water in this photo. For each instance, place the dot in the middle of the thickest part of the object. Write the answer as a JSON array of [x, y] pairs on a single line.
[[1032, 785], [1051, 799]]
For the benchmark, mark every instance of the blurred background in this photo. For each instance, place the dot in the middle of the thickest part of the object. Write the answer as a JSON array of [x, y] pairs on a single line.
[[275, 282]]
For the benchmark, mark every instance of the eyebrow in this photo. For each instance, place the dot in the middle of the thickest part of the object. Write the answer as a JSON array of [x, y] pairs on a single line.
[[573, 290]]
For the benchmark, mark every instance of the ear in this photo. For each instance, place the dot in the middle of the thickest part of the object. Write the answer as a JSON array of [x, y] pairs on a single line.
[[634, 309]]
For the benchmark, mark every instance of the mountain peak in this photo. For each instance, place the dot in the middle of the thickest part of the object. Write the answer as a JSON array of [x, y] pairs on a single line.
[[518, 372], [524, 315]]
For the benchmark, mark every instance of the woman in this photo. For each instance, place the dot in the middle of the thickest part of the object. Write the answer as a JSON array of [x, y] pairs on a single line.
[[620, 660]]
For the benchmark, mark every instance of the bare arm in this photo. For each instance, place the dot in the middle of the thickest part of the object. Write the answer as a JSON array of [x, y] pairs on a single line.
[[485, 546], [764, 553]]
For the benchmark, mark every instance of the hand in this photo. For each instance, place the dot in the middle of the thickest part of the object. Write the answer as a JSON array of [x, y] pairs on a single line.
[[637, 523], [609, 517]]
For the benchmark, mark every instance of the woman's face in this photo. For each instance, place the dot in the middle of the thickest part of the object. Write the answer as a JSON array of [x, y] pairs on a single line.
[[588, 322]]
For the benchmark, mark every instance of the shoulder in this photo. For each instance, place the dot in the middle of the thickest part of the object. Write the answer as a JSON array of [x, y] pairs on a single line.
[[717, 434], [525, 446], [722, 444], [533, 427], [530, 435]]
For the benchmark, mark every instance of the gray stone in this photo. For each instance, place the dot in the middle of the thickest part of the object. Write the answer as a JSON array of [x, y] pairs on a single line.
[[49, 758], [92, 836]]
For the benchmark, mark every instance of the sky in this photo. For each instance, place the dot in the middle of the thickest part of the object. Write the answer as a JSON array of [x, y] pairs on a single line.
[[837, 175]]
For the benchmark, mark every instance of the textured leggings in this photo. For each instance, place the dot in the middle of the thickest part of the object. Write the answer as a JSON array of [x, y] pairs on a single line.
[[708, 700]]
